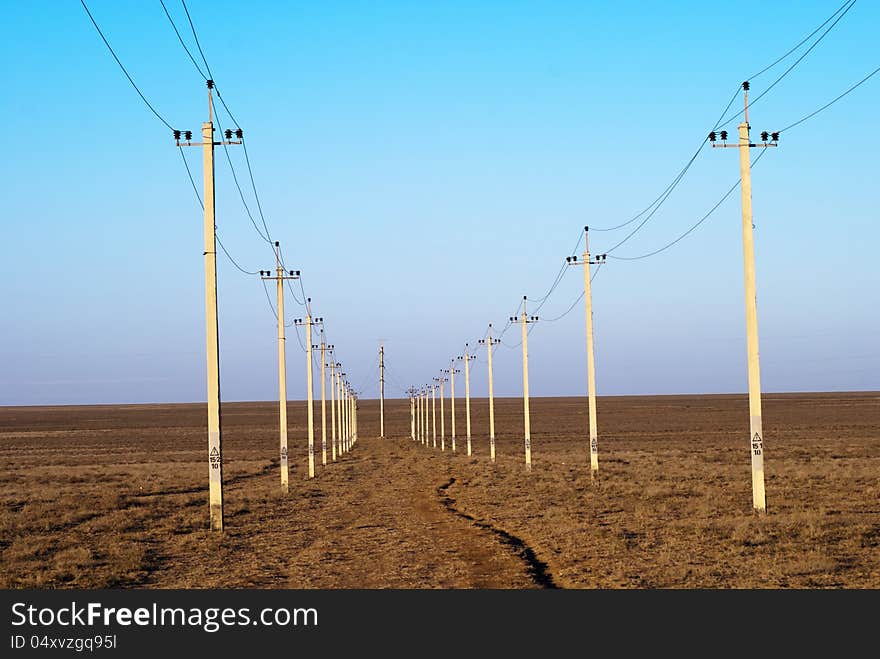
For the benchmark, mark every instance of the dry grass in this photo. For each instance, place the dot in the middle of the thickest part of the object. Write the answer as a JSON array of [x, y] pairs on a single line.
[[115, 496]]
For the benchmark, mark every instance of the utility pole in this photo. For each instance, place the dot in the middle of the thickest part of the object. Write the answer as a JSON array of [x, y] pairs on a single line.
[[489, 342], [212, 343], [412, 413], [419, 416], [308, 322], [279, 277], [339, 421], [756, 431], [467, 395], [346, 414], [343, 415], [381, 391], [324, 347], [434, 411], [425, 415], [332, 405], [442, 413], [525, 320], [452, 372], [591, 363]]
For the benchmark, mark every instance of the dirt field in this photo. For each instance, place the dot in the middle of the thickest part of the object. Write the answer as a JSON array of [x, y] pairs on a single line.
[[115, 496]]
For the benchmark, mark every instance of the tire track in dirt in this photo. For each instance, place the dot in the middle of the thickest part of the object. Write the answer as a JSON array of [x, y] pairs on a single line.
[[537, 569]]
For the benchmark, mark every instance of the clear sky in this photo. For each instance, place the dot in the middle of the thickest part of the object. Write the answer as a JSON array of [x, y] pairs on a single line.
[[425, 165]]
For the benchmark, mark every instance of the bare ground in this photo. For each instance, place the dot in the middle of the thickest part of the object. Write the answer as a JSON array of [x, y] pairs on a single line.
[[115, 496]]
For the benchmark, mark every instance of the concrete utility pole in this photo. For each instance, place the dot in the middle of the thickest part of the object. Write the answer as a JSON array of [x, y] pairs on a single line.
[[425, 412], [279, 277], [452, 371], [381, 391], [467, 395], [524, 320], [346, 414], [412, 413], [418, 416], [434, 411], [324, 347], [338, 386], [442, 413], [591, 364], [489, 342], [308, 322], [343, 415], [332, 405], [756, 431], [212, 343]]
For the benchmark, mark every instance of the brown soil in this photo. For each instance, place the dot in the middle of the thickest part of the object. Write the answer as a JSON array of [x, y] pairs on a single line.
[[115, 496]]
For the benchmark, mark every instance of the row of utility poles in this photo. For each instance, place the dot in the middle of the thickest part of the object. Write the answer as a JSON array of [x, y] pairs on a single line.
[[419, 396], [343, 399]]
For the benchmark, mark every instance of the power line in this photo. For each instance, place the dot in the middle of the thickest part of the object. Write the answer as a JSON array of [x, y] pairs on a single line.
[[796, 62], [268, 234], [179, 38], [829, 104], [107, 43], [665, 194], [199, 198], [699, 222], [799, 44], [196, 37], [579, 298]]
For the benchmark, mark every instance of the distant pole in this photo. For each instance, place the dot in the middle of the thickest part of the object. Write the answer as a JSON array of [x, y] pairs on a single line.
[[381, 391], [419, 413], [586, 262], [343, 395], [339, 419], [425, 412], [756, 431], [323, 399], [308, 322], [212, 342], [412, 414], [467, 395], [310, 396], [452, 372], [489, 342], [279, 278], [332, 406], [442, 414], [524, 320], [434, 411]]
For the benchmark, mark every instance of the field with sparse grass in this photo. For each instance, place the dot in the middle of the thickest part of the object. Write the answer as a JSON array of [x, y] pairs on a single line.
[[116, 496]]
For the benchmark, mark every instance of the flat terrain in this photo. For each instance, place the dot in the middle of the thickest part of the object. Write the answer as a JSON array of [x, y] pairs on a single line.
[[116, 496]]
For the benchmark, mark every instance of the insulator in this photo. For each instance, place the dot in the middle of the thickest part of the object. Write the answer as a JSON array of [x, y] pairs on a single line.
[[228, 134], [239, 133], [188, 135], [712, 136], [177, 135], [723, 134], [568, 259], [210, 84], [574, 258], [291, 273], [764, 135], [746, 85], [775, 136]]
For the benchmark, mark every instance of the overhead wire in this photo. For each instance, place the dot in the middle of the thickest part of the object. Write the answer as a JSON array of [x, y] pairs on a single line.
[[790, 68], [698, 223], [830, 103], [124, 70]]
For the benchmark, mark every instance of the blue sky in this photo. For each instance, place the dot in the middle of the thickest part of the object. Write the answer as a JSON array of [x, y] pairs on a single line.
[[425, 165]]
